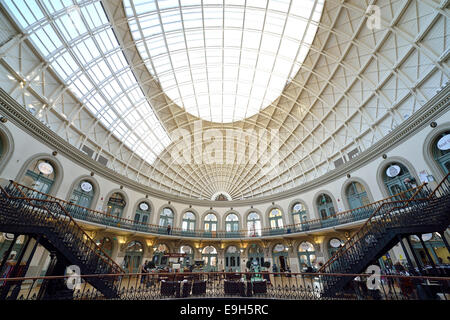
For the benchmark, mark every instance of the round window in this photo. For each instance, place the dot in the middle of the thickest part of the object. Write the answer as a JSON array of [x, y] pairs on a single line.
[[143, 206]]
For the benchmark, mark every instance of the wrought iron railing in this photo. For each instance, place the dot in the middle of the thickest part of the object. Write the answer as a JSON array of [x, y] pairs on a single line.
[[390, 214], [295, 286], [103, 218], [384, 226], [20, 209]]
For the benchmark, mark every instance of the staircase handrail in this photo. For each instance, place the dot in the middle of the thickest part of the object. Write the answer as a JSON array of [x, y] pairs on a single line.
[[103, 256], [352, 241]]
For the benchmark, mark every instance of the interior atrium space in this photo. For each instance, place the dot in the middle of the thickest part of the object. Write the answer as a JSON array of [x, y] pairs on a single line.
[[196, 151]]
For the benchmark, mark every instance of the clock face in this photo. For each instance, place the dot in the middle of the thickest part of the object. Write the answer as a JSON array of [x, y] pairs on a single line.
[[86, 186], [45, 168], [335, 243], [393, 171], [143, 206]]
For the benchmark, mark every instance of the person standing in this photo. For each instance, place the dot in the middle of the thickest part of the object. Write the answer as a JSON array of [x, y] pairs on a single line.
[[168, 229]]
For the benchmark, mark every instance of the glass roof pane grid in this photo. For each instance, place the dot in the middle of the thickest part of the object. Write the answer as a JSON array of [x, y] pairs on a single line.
[[89, 57], [269, 38]]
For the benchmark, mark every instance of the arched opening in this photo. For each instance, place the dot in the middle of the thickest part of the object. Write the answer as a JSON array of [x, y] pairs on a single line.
[[188, 260], [441, 151], [83, 194], [209, 257], [333, 246], [306, 256], [166, 218], [232, 259], [106, 244], [188, 223], [356, 195], [256, 255], [276, 221], [210, 224], [116, 205], [325, 206], [232, 225], [39, 175], [133, 257], [299, 214], [280, 258], [159, 252], [142, 215], [397, 178], [254, 224]]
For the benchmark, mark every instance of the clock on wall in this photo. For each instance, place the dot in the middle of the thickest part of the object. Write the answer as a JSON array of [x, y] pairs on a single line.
[[45, 168], [143, 206], [86, 186]]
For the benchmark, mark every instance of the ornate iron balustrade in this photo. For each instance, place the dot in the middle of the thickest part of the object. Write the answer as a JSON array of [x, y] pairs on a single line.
[[94, 216], [294, 286], [384, 227]]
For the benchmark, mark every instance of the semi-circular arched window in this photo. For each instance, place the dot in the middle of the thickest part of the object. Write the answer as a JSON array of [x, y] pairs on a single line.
[[210, 222], [306, 255], [253, 224], [40, 175], [166, 217], [142, 214], [397, 178], [275, 218], [232, 223], [299, 214], [441, 151], [188, 223], [83, 194], [325, 206], [356, 195], [116, 204]]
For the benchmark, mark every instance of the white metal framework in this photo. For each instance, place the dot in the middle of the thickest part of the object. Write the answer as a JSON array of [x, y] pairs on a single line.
[[223, 61], [371, 65]]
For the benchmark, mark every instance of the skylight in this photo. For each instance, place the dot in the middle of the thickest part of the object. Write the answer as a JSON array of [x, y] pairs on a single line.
[[81, 47], [226, 60]]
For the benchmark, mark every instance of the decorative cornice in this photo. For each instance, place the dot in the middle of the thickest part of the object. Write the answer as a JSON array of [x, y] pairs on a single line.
[[27, 122]]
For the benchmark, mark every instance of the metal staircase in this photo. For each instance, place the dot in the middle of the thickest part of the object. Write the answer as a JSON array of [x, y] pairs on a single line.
[[389, 223], [58, 232]]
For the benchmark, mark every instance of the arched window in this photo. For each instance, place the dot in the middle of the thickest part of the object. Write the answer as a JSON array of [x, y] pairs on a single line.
[[189, 252], [142, 215], [280, 258], [83, 194], [116, 205], [299, 213], [209, 257], [333, 245], [210, 223], [106, 244], [158, 254], [166, 217], [188, 223], [232, 223], [232, 259], [325, 206], [275, 218], [40, 175], [356, 195], [306, 255], [253, 224], [441, 151], [133, 257], [256, 253], [397, 178]]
